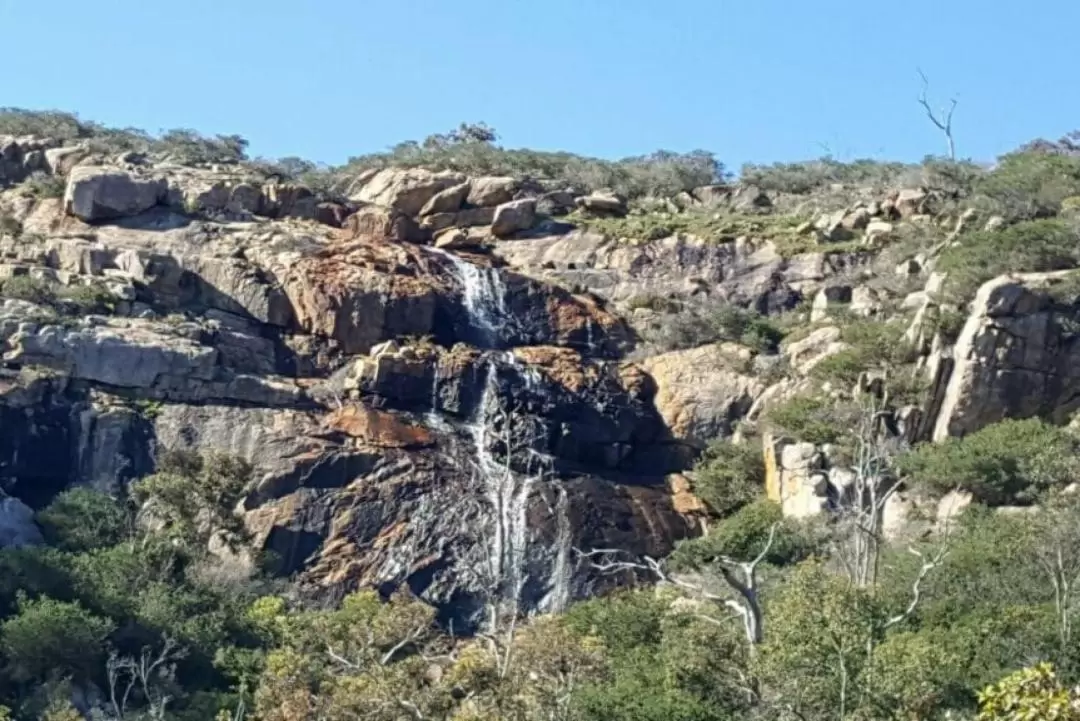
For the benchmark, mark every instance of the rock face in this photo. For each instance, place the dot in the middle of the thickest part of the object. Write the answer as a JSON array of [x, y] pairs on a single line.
[[1017, 356], [676, 267], [426, 416], [700, 393]]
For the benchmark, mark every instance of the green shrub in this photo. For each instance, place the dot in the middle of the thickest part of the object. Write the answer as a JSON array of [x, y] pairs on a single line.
[[1029, 185], [874, 345], [471, 149], [805, 177], [744, 535], [1007, 462], [83, 519], [658, 303], [701, 325], [10, 226], [47, 636], [33, 290], [729, 475], [1032, 246], [90, 298], [806, 418], [43, 185]]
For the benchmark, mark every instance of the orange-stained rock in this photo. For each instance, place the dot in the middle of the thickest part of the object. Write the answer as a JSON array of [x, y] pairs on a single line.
[[562, 365], [377, 428], [683, 499], [361, 293]]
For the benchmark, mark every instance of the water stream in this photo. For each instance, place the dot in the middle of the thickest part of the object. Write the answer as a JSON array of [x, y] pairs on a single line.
[[483, 295], [507, 492]]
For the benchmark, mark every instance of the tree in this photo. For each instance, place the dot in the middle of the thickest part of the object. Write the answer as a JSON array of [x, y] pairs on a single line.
[[150, 674], [1007, 462], [193, 498], [858, 521], [740, 577], [551, 663], [364, 660], [942, 119]]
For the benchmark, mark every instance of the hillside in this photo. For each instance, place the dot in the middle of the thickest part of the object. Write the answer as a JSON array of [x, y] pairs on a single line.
[[462, 432]]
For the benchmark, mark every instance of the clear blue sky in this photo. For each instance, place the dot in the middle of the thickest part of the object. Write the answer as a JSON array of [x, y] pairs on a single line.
[[758, 80]]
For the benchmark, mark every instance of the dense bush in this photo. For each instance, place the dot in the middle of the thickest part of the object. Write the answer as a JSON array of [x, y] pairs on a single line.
[[809, 176], [745, 534], [1039, 245], [1007, 462], [729, 475], [699, 324], [471, 149], [70, 300], [807, 418], [1031, 185]]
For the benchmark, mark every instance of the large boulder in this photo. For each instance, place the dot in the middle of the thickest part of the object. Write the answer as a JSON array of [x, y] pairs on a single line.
[[375, 223], [406, 190], [102, 193], [603, 204], [1017, 356], [517, 215], [489, 191], [446, 201], [702, 393]]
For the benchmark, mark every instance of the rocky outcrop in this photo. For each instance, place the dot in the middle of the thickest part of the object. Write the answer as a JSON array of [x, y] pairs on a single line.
[[701, 393], [750, 273], [405, 190], [1017, 356], [102, 193], [22, 157]]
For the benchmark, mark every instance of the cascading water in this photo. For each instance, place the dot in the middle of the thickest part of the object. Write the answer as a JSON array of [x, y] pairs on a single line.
[[559, 597], [483, 296], [507, 492]]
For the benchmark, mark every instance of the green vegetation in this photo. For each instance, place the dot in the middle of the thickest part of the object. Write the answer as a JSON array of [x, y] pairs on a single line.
[[67, 300], [43, 185], [701, 324], [180, 145], [471, 149], [1030, 246], [1030, 185], [807, 418], [728, 475], [1007, 462]]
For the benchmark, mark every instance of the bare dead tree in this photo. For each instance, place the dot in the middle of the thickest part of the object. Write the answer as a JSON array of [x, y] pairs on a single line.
[[1056, 552], [150, 674], [740, 576], [941, 119], [860, 510]]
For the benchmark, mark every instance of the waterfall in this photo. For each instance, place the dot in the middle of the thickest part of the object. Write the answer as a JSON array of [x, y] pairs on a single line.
[[483, 295], [561, 570], [507, 492]]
